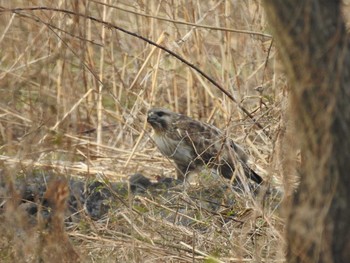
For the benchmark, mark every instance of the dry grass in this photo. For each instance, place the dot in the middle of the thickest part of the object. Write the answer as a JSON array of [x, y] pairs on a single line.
[[62, 75]]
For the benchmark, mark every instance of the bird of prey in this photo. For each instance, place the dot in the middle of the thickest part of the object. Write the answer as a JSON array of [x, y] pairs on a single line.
[[192, 144]]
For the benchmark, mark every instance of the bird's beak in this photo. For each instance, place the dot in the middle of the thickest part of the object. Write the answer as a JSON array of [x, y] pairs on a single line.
[[151, 118]]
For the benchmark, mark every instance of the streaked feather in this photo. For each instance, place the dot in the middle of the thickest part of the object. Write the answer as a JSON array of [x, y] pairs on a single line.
[[192, 144]]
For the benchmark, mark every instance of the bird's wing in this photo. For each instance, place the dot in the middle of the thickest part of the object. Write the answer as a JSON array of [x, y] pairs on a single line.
[[206, 140]]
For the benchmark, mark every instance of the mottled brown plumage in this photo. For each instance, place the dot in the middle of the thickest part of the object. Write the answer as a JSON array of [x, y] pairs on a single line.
[[193, 144]]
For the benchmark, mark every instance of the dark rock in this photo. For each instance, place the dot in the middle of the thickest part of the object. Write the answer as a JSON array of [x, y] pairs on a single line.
[[98, 198], [139, 183]]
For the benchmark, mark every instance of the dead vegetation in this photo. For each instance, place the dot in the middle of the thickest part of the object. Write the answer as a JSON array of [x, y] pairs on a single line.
[[74, 93]]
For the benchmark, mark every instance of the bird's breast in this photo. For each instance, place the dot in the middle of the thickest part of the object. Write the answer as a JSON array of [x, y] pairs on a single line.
[[177, 150]]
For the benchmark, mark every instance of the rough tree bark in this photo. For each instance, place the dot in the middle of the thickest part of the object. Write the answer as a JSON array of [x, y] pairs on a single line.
[[314, 48]]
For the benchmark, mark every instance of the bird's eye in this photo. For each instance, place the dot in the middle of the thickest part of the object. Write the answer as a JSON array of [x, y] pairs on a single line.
[[160, 113]]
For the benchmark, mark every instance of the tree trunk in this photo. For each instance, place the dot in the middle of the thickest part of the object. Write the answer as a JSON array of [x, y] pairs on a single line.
[[314, 48]]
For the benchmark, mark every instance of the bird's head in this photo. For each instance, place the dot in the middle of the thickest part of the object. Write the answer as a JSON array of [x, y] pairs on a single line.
[[160, 119]]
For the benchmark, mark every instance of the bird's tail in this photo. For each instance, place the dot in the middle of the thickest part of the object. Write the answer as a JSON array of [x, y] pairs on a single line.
[[253, 175]]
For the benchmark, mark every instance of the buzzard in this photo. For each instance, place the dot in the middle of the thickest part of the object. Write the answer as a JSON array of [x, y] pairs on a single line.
[[192, 144]]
